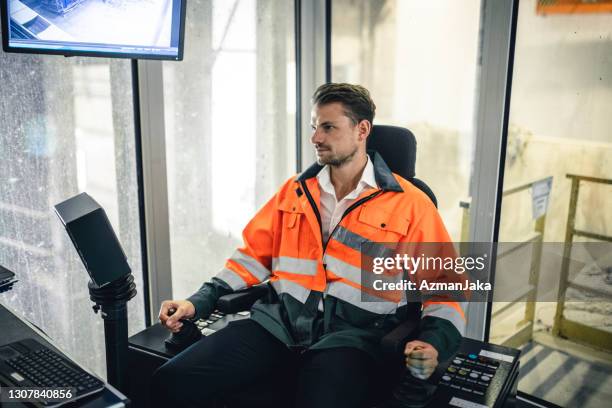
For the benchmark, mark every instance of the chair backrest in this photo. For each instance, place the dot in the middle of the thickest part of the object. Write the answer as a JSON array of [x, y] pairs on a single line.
[[397, 146]]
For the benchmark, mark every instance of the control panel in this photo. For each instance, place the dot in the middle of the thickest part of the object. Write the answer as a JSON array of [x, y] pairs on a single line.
[[470, 373], [480, 375], [218, 320]]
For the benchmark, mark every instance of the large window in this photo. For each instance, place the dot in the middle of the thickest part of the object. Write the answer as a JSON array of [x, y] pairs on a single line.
[[419, 60], [230, 128], [558, 179], [66, 126]]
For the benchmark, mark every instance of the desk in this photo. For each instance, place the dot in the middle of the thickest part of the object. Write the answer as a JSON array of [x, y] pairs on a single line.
[[15, 328]]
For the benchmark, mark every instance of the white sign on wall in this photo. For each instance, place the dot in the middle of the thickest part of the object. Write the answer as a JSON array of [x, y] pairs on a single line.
[[540, 193]]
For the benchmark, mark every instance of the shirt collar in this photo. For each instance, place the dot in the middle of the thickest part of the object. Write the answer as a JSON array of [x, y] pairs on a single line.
[[367, 178], [383, 176]]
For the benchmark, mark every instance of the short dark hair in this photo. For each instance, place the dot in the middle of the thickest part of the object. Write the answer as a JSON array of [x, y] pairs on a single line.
[[358, 104]]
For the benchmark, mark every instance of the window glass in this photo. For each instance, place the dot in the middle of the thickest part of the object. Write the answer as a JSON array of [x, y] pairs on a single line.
[[419, 61], [230, 128], [558, 179], [66, 126]]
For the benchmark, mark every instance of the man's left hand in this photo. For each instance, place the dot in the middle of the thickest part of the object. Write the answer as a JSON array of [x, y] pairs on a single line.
[[421, 359]]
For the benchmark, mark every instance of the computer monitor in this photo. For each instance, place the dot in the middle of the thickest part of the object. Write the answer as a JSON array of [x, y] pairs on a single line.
[[151, 29]]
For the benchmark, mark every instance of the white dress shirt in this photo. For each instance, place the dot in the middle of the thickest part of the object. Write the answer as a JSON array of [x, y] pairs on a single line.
[[330, 208]]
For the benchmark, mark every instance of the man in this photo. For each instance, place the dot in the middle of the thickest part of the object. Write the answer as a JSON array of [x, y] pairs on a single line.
[[314, 340]]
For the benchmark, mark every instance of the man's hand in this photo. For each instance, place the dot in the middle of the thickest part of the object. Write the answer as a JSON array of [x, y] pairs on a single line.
[[421, 359], [183, 309]]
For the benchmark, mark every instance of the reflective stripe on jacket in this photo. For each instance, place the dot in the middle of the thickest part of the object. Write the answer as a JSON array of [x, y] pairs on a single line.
[[283, 244]]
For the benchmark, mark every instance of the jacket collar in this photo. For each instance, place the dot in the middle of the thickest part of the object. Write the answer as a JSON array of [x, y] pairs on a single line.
[[384, 177]]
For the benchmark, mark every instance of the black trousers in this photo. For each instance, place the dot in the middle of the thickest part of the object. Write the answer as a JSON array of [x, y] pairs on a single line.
[[243, 365]]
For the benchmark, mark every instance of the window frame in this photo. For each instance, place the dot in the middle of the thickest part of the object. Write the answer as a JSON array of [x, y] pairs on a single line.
[[150, 136]]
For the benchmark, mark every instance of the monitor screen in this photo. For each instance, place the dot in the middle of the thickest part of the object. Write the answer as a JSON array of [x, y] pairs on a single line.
[[107, 28]]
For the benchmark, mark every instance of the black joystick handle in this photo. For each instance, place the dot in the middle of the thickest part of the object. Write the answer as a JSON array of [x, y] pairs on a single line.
[[185, 337], [411, 392]]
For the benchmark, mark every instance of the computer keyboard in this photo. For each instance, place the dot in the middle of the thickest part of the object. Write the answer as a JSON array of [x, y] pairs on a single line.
[[7, 279], [30, 364]]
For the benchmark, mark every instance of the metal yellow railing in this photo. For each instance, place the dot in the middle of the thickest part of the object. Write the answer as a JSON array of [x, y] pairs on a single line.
[[562, 326], [525, 326]]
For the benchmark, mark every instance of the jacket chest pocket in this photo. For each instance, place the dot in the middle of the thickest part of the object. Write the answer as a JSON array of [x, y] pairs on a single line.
[[382, 226], [292, 217]]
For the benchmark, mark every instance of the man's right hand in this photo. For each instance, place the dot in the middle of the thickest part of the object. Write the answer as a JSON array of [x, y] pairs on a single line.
[[183, 309]]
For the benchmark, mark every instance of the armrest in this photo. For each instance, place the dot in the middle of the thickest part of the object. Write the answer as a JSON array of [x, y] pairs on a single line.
[[241, 300], [395, 341]]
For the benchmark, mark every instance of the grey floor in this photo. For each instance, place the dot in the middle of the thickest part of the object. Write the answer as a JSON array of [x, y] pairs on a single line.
[[563, 379]]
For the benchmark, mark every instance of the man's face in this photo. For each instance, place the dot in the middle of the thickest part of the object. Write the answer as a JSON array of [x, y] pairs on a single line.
[[335, 137]]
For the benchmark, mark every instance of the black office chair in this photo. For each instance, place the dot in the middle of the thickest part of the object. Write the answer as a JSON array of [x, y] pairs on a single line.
[[397, 147]]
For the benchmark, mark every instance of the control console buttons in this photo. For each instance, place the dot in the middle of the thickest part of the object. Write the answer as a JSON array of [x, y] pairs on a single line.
[[207, 332], [446, 378], [485, 378], [473, 375], [478, 392]]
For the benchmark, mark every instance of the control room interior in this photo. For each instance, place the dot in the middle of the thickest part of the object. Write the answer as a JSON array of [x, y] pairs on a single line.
[[510, 103]]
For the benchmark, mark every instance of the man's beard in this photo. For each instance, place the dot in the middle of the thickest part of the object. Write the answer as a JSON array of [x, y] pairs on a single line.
[[337, 161]]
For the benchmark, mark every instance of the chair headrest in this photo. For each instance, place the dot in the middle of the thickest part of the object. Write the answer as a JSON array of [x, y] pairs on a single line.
[[397, 147]]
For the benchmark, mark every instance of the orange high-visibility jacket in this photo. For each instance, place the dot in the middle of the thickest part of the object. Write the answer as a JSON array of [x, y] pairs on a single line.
[[283, 245]]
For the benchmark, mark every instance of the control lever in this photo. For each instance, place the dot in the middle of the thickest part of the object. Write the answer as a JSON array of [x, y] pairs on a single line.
[[411, 393], [185, 337]]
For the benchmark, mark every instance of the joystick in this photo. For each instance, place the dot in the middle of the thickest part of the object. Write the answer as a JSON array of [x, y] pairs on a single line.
[[411, 393], [185, 337]]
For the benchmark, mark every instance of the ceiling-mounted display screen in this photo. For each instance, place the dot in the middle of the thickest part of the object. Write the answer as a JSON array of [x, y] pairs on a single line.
[[105, 28]]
